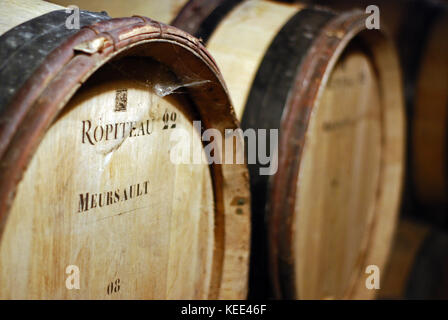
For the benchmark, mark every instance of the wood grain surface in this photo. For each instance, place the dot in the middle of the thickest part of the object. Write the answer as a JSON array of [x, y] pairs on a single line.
[[87, 177]]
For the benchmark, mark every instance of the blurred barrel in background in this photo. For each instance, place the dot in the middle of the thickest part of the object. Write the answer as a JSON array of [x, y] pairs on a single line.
[[87, 181], [333, 89], [418, 265], [430, 116], [419, 29], [429, 276]]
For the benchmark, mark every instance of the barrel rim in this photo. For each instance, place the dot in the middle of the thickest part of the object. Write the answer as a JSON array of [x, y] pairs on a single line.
[[315, 70]]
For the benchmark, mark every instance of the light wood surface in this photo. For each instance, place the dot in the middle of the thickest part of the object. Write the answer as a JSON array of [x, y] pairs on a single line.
[[163, 11], [15, 12], [253, 25], [156, 238], [338, 182], [393, 139]]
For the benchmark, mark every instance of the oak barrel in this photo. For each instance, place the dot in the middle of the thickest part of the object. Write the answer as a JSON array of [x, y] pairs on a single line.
[[334, 91], [92, 205], [418, 266], [430, 114]]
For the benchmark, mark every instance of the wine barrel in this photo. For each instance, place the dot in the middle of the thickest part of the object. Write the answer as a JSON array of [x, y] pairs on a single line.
[[418, 266], [333, 90], [430, 114], [92, 204]]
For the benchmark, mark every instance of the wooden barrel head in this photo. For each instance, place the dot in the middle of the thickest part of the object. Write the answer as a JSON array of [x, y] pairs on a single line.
[[88, 180], [339, 179], [365, 149], [111, 201]]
